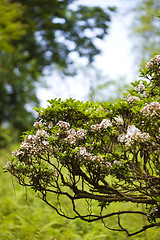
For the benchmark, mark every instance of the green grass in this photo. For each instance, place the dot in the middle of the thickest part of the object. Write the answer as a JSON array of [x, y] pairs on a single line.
[[25, 217]]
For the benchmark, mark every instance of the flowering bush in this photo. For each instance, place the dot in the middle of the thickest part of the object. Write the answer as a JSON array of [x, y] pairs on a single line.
[[98, 152]]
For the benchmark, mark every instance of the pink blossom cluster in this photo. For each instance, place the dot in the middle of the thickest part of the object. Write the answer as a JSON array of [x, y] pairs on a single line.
[[151, 110], [133, 134], [36, 124], [63, 124], [103, 125], [140, 88], [153, 62], [33, 143], [117, 162], [82, 152], [73, 135], [132, 99], [118, 120]]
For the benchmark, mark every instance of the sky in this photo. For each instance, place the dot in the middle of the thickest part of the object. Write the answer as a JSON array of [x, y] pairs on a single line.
[[116, 60]]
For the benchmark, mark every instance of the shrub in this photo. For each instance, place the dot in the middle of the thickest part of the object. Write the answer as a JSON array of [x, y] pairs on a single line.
[[97, 152]]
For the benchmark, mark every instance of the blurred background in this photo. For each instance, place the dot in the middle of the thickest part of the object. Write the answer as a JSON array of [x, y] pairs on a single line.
[[83, 49]]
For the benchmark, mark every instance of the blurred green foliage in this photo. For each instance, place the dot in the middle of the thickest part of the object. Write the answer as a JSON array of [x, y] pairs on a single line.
[[145, 29], [11, 27]]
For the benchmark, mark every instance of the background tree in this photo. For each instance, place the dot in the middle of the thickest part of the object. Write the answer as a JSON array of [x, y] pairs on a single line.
[[11, 27], [145, 28], [97, 153], [53, 31]]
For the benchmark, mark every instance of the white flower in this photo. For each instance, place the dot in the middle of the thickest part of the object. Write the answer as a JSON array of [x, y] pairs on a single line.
[[121, 138], [8, 165], [140, 88], [45, 143], [117, 162], [50, 125], [16, 153], [154, 61], [63, 124], [105, 123], [97, 159], [81, 133], [108, 164], [95, 127], [42, 133], [36, 124], [118, 120], [133, 134], [132, 99], [82, 151], [151, 110]]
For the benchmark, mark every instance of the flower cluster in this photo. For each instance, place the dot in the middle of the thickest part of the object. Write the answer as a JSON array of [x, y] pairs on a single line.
[[73, 135], [98, 160], [81, 133], [117, 162], [133, 134], [103, 125], [132, 99], [82, 152], [140, 88], [33, 144], [151, 110], [63, 124], [36, 124], [155, 61], [118, 120]]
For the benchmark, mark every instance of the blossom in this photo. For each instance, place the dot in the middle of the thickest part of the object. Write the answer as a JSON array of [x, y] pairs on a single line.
[[17, 153], [108, 164], [36, 124], [132, 99], [117, 162], [105, 123], [42, 133], [145, 94], [71, 138], [95, 127], [118, 120], [97, 159], [133, 134], [151, 110], [81, 133], [140, 88], [82, 151], [33, 144], [154, 61], [54, 172], [50, 125], [63, 124], [8, 165]]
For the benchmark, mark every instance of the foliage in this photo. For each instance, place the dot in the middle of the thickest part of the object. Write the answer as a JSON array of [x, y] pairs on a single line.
[[92, 153], [11, 27]]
